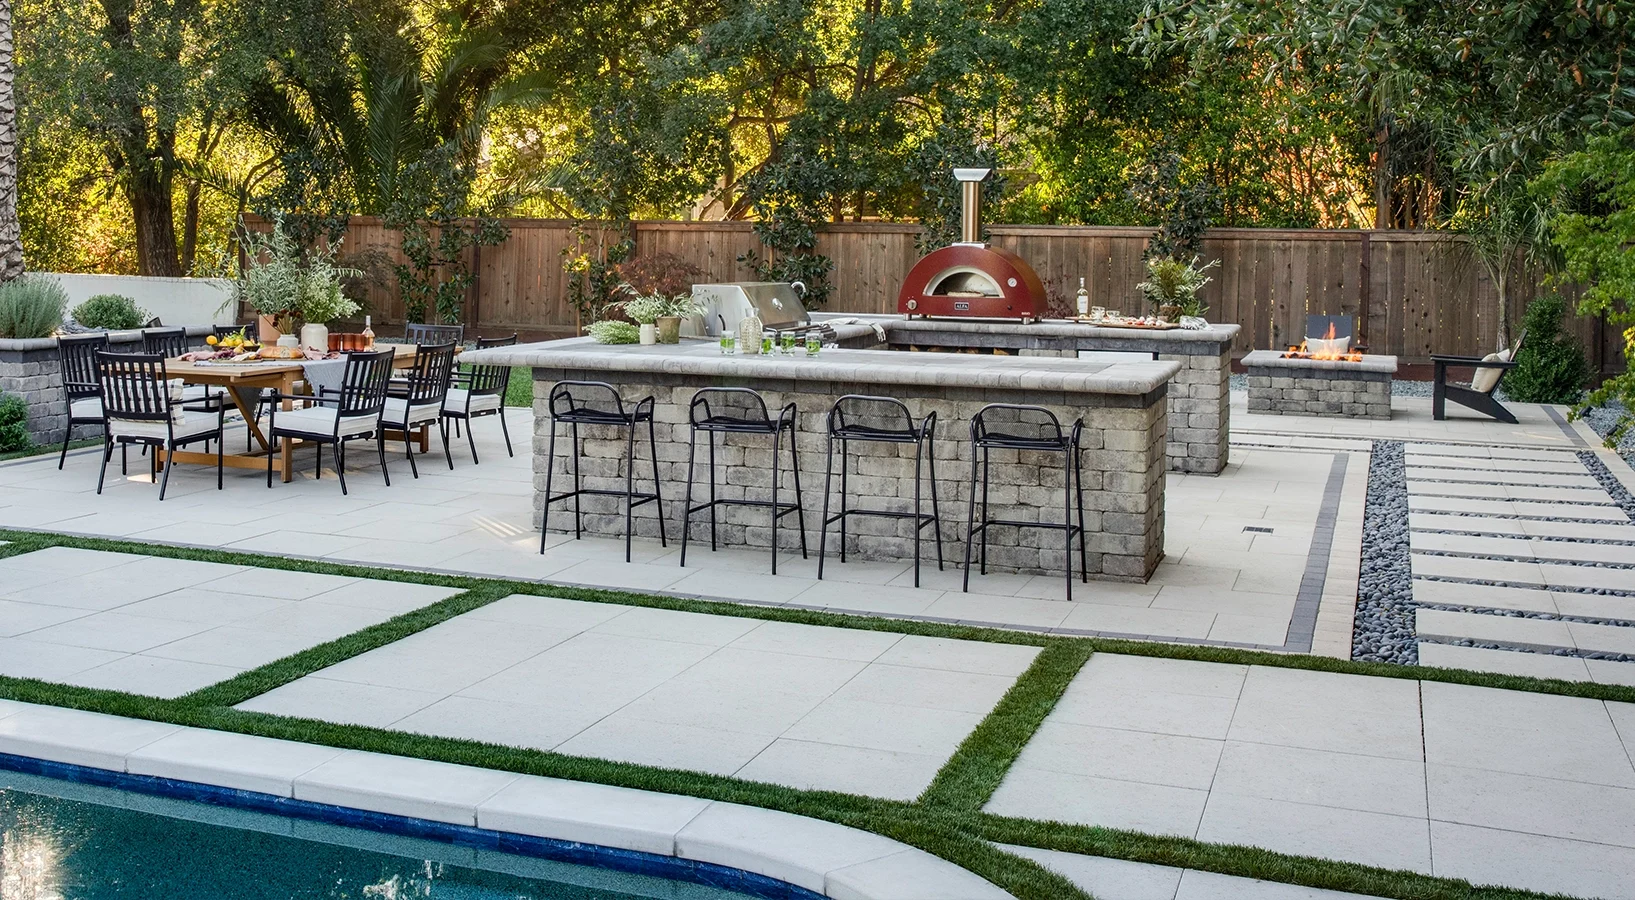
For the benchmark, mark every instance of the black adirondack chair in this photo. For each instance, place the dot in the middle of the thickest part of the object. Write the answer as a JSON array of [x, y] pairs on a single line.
[[1465, 395]]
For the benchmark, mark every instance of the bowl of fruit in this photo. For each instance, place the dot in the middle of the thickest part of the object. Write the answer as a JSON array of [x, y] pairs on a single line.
[[232, 347]]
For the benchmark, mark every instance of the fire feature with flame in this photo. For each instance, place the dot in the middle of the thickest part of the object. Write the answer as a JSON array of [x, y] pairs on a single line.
[[1327, 347]]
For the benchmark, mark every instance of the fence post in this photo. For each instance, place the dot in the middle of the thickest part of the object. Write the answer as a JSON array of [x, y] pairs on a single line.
[[1365, 286]]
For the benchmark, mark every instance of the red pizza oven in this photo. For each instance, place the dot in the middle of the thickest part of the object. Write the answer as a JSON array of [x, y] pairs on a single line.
[[971, 278]]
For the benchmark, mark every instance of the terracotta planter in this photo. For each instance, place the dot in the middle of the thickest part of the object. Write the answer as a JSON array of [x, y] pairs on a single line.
[[669, 329], [267, 331]]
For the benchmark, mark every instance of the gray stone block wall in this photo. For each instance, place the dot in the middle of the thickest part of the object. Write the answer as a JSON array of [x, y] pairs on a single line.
[[34, 376], [30, 369], [1282, 391], [1123, 472], [1200, 412]]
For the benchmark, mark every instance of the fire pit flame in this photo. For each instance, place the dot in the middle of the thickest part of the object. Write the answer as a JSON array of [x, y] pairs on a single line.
[[1327, 347]]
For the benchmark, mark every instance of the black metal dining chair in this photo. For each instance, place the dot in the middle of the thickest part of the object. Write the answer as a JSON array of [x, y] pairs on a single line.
[[76, 358], [335, 417], [422, 333], [422, 403], [141, 408], [480, 391]]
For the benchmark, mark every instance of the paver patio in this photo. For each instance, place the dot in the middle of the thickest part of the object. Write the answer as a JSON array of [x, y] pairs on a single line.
[[1498, 787], [868, 712], [165, 627]]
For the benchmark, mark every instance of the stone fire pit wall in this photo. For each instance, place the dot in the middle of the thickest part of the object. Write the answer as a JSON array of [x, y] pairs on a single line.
[[1123, 462], [29, 370], [1281, 386]]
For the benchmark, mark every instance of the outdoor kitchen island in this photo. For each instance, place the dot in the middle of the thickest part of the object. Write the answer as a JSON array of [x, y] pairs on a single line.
[[1200, 408], [1122, 404]]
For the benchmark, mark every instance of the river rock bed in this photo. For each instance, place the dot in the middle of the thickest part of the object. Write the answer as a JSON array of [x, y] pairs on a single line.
[[1384, 626]]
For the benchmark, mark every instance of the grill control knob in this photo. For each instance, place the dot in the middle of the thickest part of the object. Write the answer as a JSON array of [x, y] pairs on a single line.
[[913, 304]]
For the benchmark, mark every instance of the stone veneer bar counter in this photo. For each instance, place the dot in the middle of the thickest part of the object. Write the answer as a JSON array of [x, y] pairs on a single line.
[[1123, 405], [1295, 386], [1200, 406]]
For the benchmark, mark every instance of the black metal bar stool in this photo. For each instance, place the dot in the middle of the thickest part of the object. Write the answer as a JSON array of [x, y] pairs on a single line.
[[598, 403], [1034, 429], [741, 411], [885, 420]]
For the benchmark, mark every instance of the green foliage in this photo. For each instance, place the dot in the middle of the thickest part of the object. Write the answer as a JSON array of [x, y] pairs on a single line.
[[1174, 282], [291, 283], [111, 311], [1182, 210], [31, 307], [1592, 197], [612, 331], [14, 425], [1551, 366]]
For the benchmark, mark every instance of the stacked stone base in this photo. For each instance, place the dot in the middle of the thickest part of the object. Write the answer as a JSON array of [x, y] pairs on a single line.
[[1282, 391], [1123, 474]]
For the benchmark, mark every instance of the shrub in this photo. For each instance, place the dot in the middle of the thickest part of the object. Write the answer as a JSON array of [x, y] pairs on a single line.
[[13, 425], [1551, 366], [611, 332], [31, 307], [111, 311]]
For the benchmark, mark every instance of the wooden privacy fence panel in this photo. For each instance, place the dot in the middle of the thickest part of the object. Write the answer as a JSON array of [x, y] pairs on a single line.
[[1413, 293]]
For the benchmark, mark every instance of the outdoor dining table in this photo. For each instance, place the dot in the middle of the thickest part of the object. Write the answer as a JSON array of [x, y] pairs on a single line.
[[244, 383]]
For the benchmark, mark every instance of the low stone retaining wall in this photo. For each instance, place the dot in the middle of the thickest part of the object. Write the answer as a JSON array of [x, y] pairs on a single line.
[[29, 369], [1282, 386]]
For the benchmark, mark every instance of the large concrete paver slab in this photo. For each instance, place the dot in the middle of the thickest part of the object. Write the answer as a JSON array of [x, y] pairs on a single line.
[[1382, 771], [814, 707]]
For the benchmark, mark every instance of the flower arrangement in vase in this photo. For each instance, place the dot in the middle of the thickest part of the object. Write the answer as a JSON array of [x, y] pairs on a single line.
[[293, 288]]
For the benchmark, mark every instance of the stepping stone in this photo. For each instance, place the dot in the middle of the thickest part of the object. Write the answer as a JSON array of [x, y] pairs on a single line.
[[1517, 573], [1566, 467], [1453, 593], [1539, 634], [1587, 576], [1463, 543], [1603, 638], [1504, 662], [1499, 476]]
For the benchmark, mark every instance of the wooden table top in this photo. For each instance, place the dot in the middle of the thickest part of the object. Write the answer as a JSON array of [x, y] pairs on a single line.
[[273, 368]]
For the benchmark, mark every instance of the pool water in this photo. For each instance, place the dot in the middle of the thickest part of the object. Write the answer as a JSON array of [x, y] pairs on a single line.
[[65, 841]]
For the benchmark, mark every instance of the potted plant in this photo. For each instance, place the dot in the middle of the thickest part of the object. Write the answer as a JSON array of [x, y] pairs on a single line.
[[1172, 286], [286, 286], [646, 310]]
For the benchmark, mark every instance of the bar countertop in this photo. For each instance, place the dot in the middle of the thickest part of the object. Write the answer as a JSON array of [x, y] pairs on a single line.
[[704, 359]]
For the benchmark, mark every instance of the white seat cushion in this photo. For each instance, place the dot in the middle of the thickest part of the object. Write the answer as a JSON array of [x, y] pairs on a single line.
[[459, 398], [421, 414], [190, 426], [320, 421], [194, 392], [86, 408], [1487, 377]]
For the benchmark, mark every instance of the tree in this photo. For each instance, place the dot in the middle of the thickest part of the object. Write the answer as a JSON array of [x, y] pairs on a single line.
[[11, 234], [1591, 197], [157, 87]]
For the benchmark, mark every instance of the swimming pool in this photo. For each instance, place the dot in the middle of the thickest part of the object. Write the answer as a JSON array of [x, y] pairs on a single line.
[[62, 840]]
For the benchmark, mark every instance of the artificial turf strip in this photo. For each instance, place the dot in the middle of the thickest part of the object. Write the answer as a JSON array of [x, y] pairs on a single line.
[[975, 770], [1195, 652]]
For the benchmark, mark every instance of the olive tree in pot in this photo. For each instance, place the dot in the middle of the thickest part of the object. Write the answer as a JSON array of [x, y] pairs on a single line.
[[287, 285]]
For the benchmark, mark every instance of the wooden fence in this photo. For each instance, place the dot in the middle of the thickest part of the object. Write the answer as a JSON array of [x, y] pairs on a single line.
[[1414, 293]]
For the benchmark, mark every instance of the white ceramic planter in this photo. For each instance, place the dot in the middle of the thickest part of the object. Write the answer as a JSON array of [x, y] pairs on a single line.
[[650, 333], [315, 337]]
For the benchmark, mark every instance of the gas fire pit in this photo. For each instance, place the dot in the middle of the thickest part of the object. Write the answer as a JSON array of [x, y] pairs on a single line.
[[1322, 377]]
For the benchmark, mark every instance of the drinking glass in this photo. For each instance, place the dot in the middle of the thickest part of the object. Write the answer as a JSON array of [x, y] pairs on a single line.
[[786, 342], [766, 345], [814, 343], [729, 343]]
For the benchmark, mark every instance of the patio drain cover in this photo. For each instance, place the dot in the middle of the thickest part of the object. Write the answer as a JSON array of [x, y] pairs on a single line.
[[1257, 529]]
